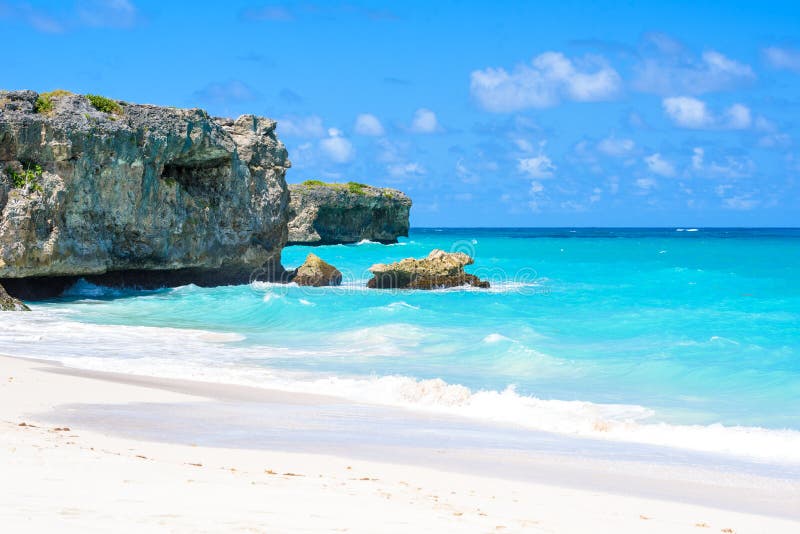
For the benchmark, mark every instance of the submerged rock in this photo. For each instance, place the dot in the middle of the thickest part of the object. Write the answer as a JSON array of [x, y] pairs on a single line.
[[439, 270], [327, 214], [136, 193], [316, 272], [9, 303]]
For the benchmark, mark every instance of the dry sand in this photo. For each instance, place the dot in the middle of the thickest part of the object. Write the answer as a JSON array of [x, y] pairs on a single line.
[[72, 479]]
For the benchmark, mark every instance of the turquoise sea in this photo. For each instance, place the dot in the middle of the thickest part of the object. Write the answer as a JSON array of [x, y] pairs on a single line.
[[686, 338]]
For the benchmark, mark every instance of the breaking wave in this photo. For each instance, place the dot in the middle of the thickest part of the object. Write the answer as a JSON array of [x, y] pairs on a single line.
[[217, 357]]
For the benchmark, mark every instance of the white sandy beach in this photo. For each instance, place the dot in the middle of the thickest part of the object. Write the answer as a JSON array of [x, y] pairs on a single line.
[[72, 479]]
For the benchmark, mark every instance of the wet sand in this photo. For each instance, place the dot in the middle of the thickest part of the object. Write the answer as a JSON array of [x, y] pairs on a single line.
[[145, 454]]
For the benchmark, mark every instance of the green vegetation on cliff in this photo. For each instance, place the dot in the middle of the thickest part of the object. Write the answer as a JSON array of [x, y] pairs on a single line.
[[27, 178], [106, 105], [44, 102], [354, 187]]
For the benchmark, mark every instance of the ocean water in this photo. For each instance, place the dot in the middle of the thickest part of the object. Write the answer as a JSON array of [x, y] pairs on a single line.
[[685, 338]]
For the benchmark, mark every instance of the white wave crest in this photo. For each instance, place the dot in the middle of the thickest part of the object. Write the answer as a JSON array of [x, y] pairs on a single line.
[[196, 354], [496, 338], [401, 305]]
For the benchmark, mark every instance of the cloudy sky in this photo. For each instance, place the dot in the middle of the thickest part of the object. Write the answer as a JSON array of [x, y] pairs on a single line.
[[487, 113]]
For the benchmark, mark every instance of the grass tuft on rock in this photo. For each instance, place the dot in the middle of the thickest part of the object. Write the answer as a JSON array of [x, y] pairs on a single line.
[[357, 188], [106, 105], [353, 187], [44, 102]]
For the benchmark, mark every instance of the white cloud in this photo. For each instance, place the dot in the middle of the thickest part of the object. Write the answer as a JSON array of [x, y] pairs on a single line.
[[368, 124], [617, 148], [646, 183], [772, 137], [83, 13], [671, 74], [301, 126], [524, 145], [107, 13], [549, 78], [732, 168], [659, 165], [664, 43], [693, 113], [775, 140], [390, 152], [424, 121], [742, 203], [729, 167], [336, 147], [572, 205], [738, 117], [698, 154], [538, 197], [687, 112], [538, 166], [466, 174], [403, 170], [783, 58]]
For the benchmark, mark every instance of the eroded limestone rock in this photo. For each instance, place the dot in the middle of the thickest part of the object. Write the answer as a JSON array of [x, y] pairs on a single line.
[[316, 272], [439, 269], [327, 214], [9, 303], [145, 188]]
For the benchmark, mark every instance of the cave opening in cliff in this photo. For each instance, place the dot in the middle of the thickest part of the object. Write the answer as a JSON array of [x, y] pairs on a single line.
[[198, 176]]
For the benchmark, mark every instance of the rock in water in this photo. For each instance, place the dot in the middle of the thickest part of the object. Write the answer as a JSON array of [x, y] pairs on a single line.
[[329, 214], [91, 186], [9, 303], [316, 272], [439, 270]]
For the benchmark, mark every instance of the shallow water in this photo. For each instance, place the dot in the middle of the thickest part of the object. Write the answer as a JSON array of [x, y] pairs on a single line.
[[680, 338]]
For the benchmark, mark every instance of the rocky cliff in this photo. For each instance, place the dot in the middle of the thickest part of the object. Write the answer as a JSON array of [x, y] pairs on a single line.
[[325, 214], [135, 194]]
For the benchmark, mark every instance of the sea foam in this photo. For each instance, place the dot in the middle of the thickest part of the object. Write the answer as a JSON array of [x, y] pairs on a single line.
[[199, 355]]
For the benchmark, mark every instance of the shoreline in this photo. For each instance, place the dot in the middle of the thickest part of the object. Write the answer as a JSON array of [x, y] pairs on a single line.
[[543, 490], [596, 422]]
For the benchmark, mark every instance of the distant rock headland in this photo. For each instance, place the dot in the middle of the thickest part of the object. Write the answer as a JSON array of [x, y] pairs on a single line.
[[332, 213]]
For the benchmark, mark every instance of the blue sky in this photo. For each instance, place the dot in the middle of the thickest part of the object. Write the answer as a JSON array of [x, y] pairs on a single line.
[[564, 113]]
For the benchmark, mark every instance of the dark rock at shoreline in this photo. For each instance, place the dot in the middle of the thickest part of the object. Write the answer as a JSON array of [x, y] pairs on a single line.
[[9, 303], [438, 270], [316, 272], [327, 214], [126, 191]]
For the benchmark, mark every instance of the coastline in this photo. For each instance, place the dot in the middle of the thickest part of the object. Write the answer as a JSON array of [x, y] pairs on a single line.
[[149, 483]]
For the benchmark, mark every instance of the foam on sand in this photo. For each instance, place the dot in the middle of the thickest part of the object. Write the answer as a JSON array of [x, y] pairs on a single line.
[[218, 357]]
